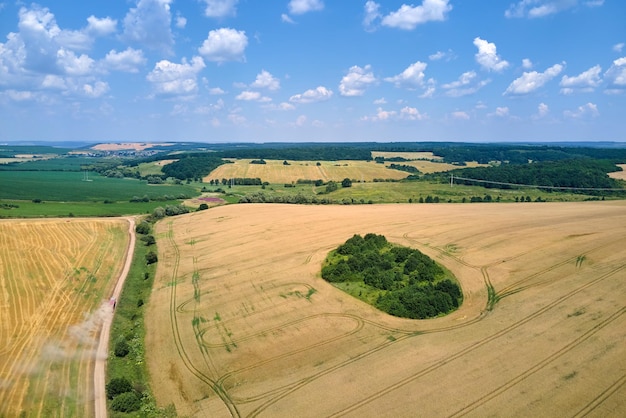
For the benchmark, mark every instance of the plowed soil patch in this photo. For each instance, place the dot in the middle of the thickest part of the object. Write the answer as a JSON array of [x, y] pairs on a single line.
[[54, 275], [241, 324]]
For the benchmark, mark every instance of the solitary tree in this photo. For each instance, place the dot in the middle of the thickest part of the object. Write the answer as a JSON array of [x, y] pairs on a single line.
[[151, 257], [346, 182], [118, 385]]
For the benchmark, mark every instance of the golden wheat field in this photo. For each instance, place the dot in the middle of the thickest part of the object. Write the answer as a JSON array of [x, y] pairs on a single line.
[[619, 175], [241, 324], [54, 275], [274, 171]]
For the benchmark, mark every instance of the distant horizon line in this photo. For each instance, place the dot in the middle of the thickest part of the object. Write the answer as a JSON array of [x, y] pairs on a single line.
[[530, 142]]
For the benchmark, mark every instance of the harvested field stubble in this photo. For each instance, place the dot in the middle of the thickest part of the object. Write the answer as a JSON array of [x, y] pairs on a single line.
[[54, 275], [274, 171], [240, 322]]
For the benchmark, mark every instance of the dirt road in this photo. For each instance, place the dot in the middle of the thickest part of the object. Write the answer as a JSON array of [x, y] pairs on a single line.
[[103, 345]]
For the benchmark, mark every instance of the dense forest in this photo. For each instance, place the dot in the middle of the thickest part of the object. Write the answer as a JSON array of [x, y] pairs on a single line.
[[459, 152], [192, 166], [579, 173], [407, 283], [310, 153]]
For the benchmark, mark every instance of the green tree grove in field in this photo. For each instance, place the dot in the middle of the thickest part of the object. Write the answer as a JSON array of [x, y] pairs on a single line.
[[407, 283]]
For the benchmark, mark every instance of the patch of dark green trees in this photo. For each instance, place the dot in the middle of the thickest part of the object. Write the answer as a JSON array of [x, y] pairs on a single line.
[[407, 282]]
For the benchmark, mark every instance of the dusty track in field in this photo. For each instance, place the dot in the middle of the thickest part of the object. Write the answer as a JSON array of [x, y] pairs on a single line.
[[264, 349], [53, 274], [100, 403]]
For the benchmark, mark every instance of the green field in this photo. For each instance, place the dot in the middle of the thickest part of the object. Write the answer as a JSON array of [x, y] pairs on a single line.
[[55, 164], [401, 192], [28, 209], [69, 187], [398, 192]]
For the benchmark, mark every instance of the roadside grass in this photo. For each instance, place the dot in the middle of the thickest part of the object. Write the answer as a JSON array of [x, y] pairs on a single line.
[[68, 186], [128, 325]]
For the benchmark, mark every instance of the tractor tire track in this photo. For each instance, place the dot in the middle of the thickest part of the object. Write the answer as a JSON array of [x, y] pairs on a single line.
[[601, 397], [232, 408], [539, 366], [476, 345]]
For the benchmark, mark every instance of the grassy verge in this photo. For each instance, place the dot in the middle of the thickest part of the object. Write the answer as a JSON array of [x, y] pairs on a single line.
[[128, 326]]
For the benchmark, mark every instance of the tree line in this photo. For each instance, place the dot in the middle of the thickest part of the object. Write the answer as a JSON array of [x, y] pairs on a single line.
[[307, 153], [580, 173], [192, 166]]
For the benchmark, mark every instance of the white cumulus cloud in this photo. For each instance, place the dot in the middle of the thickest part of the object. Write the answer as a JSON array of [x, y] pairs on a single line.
[[128, 60], [74, 65], [487, 56], [413, 76], [285, 18], [252, 96], [95, 90], [381, 114], [542, 111], [317, 94], [533, 80], [356, 81], [441, 55], [465, 85], [52, 81], [41, 47], [220, 8], [169, 78], [586, 81], [408, 17], [101, 27], [181, 22], [148, 24], [265, 80], [542, 8], [411, 113], [406, 113], [616, 76], [371, 14], [224, 44], [298, 7], [589, 109], [502, 112]]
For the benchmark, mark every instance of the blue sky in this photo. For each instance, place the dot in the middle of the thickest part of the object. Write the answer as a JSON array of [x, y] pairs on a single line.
[[313, 70]]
